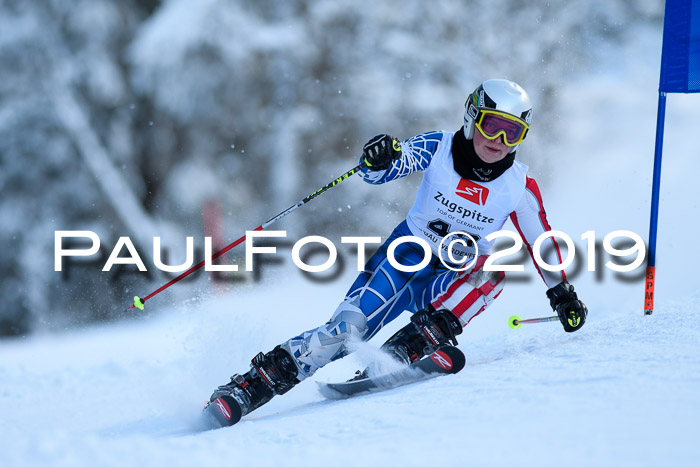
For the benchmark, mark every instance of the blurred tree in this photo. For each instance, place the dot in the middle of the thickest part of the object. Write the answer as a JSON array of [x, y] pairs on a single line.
[[126, 117]]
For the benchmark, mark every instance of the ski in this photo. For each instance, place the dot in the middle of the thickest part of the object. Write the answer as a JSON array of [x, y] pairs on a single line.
[[446, 360], [225, 410], [222, 411]]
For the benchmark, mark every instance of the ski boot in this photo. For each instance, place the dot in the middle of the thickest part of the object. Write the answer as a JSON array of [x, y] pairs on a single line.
[[428, 330], [272, 373]]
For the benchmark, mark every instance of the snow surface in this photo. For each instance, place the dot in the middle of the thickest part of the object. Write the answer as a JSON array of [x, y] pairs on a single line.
[[622, 391], [625, 390]]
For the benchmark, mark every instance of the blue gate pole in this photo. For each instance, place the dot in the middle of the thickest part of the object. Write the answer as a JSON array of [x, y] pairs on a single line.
[[654, 218]]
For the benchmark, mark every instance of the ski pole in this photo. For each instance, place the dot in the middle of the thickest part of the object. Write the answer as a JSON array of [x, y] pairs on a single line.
[[515, 321], [139, 302]]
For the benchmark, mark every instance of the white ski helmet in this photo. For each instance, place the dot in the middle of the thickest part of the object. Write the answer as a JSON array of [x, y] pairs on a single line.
[[497, 94]]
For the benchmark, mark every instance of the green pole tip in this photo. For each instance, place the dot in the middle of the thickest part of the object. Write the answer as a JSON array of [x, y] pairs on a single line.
[[513, 322], [138, 303]]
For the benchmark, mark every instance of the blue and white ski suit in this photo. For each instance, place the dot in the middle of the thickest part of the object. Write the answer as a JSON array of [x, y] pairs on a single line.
[[445, 204]]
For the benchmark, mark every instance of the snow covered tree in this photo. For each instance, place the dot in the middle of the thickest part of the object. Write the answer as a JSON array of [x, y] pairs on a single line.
[[126, 117]]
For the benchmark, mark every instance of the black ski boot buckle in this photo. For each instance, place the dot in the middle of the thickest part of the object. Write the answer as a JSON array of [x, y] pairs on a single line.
[[277, 369]]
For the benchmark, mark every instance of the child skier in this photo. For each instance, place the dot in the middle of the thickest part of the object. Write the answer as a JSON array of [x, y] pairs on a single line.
[[471, 185]]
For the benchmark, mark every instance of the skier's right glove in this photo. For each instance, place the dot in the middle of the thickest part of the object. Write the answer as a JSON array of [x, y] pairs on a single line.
[[381, 151], [571, 311]]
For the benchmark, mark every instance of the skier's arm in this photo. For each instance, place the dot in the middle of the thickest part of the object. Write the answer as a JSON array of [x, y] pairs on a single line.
[[530, 219], [416, 154]]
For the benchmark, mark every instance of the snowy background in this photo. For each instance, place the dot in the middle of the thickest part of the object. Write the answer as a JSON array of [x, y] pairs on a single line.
[[144, 118]]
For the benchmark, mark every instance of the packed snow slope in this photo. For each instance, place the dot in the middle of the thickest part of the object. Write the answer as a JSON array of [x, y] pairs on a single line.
[[624, 390]]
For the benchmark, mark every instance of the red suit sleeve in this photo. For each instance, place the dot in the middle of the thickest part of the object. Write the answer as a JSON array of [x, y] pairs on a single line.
[[530, 219]]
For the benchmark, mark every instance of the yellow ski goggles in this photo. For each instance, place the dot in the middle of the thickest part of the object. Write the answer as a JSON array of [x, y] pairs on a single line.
[[494, 123]]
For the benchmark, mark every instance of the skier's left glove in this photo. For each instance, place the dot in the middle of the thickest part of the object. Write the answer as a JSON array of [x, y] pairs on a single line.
[[571, 311], [381, 151]]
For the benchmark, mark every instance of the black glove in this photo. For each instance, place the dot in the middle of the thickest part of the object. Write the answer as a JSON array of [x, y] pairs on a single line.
[[571, 311], [381, 151]]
